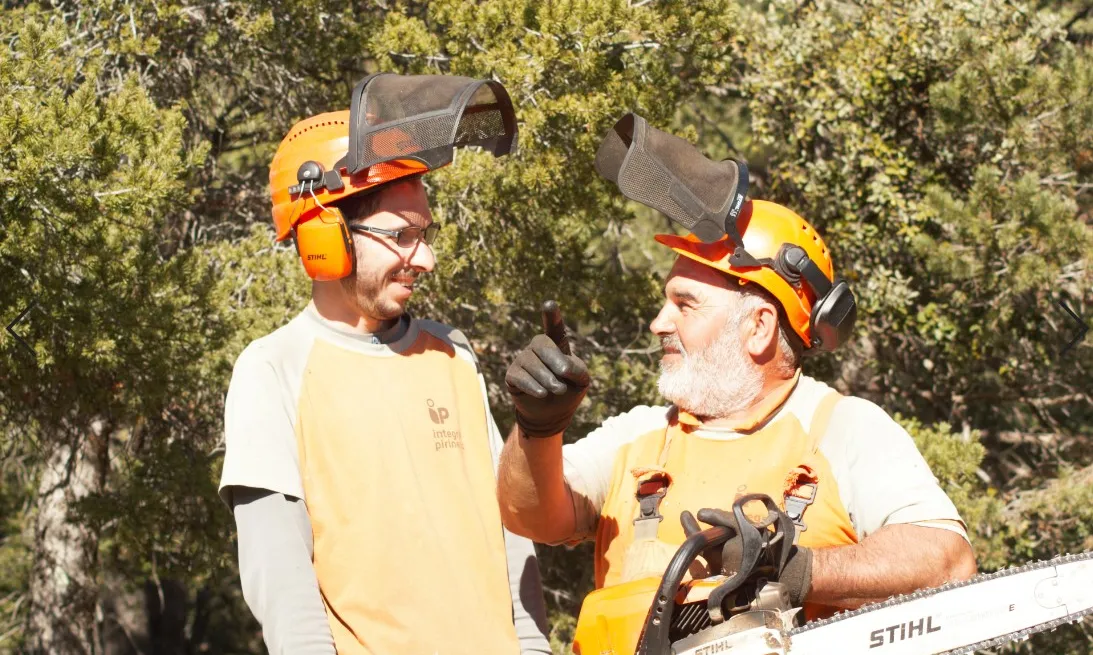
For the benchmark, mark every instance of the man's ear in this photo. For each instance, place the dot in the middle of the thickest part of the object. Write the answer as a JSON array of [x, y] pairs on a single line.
[[762, 332]]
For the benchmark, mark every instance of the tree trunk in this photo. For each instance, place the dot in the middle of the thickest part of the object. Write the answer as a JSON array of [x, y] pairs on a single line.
[[64, 580]]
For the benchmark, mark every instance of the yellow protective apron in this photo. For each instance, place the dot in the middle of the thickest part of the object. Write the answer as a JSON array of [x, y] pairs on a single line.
[[672, 469]]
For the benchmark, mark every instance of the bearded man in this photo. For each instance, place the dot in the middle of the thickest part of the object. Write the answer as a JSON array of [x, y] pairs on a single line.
[[742, 419]]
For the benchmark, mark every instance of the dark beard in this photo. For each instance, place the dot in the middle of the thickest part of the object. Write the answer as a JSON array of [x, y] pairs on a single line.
[[364, 295]]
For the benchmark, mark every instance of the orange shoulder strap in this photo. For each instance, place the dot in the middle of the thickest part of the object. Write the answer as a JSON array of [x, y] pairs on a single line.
[[801, 482], [821, 417]]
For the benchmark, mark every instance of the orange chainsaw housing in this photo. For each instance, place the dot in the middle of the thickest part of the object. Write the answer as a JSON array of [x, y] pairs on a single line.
[[612, 618]]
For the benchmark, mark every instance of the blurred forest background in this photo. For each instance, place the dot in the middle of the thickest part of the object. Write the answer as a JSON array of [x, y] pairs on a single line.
[[944, 147]]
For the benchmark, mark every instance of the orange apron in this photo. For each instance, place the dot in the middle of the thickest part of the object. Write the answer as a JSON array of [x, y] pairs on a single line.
[[688, 472]]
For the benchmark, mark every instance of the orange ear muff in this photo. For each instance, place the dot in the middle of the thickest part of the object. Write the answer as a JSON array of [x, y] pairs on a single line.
[[325, 246]]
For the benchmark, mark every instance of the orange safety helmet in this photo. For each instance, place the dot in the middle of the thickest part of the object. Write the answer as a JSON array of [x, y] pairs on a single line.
[[755, 241], [786, 256], [322, 238], [397, 125]]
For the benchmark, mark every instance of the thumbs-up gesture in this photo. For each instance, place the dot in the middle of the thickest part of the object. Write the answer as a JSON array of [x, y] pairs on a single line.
[[545, 381]]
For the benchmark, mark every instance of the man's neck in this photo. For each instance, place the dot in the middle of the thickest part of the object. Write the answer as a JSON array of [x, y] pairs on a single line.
[[330, 304], [775, 391]]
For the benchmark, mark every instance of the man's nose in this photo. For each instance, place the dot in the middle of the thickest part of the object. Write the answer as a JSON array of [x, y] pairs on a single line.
[[422, 258], [663, 324]]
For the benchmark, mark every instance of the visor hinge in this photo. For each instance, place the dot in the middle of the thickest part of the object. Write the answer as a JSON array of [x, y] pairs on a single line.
[[311, 176]]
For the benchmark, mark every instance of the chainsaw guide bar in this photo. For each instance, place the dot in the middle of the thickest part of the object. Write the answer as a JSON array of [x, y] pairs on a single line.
[[1013, 599]]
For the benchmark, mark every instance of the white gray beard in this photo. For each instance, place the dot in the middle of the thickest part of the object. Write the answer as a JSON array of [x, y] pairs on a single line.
[[715, 382]]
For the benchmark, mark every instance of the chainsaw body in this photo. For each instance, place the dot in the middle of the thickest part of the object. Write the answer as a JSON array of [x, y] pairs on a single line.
[[748, 611]]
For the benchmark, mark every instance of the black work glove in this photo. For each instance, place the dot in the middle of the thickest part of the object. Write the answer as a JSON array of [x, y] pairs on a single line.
[[797, 574], [545, 381]]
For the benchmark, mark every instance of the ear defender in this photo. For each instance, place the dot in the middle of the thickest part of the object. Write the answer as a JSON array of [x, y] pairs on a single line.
[[833, 317], [325, 246], [831, 320], [323, 241]]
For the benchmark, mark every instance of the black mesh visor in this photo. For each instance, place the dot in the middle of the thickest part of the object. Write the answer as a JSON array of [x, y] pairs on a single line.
[[425, 117], [670, 175]]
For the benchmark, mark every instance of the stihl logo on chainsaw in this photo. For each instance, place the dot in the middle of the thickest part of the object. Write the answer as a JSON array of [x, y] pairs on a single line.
[[906, 631], [722, 646]]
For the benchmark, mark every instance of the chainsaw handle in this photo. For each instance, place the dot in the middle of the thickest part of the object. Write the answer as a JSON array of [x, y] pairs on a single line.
[[654, 639], [753, 544]]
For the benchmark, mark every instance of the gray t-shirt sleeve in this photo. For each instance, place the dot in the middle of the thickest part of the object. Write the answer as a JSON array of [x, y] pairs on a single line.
[[275, 566]]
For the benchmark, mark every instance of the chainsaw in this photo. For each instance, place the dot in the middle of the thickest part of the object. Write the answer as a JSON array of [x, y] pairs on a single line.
[[749, 612]]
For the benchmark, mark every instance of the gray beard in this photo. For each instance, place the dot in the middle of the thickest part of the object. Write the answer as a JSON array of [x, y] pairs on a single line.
[[715, 382]]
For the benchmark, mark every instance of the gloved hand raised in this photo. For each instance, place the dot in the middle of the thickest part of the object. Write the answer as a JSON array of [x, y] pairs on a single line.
[[545, 381]]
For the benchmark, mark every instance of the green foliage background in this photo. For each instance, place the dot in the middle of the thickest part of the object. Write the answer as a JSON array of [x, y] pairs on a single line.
[[944, 149]]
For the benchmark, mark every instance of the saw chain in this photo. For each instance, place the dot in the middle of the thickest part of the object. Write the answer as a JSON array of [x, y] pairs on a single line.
[[992, 642]]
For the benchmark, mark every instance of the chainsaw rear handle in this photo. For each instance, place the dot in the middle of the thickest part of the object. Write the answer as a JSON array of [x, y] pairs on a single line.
[[654, 639], [752, 547]]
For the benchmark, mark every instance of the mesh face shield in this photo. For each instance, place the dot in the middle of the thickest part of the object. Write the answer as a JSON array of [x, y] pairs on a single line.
[[425, 117], [670, 175]]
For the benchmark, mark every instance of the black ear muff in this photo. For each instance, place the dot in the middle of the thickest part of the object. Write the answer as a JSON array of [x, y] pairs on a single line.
[[833, 317]]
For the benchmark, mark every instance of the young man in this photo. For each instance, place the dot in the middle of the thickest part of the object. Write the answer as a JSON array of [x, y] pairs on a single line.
[[361, 452]]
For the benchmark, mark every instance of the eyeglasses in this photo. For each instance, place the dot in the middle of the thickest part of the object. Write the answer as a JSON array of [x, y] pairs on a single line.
[[407, 236]]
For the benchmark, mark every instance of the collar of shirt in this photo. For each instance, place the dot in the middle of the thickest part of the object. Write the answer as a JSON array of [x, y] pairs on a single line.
[[385, 336]]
